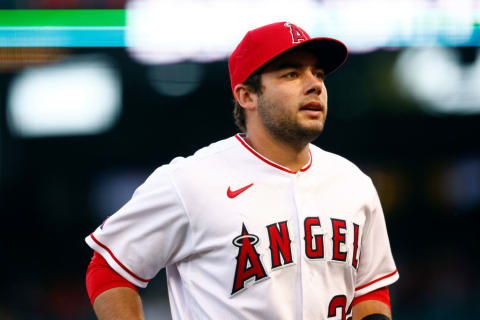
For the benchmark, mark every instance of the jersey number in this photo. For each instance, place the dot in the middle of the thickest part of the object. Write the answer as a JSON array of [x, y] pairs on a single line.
[[339, 302]]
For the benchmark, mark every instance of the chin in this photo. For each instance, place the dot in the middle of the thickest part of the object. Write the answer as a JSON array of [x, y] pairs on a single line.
[[309, 134], [314, 127]]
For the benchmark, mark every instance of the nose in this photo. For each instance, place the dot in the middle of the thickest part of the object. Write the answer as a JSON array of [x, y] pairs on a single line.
[[314, 84]]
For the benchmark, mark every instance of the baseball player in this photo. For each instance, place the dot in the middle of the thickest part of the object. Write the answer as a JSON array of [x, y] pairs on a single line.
[[264, 224]]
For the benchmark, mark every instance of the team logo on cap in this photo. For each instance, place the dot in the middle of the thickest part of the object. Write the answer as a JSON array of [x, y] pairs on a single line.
[[297, 34]]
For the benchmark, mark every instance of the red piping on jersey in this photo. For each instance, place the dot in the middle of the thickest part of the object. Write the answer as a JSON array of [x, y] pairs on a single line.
[[117, 261], [372, 282], [240, 138]]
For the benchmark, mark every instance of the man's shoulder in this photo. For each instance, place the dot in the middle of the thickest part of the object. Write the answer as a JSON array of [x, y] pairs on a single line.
[[205, 154], [196, 166], [206, 160], [334, 162]]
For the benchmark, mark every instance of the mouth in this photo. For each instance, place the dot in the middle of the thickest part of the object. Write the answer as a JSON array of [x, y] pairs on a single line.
[[313, 106]]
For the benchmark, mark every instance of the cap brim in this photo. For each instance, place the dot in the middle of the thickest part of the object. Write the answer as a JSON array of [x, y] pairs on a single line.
[[330, 52]]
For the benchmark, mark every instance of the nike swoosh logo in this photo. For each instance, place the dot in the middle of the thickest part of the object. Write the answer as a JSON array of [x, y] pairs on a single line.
[[232, 194]]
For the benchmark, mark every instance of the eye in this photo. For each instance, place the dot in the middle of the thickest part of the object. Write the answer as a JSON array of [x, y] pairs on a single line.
[[291, 74], [320, 75]]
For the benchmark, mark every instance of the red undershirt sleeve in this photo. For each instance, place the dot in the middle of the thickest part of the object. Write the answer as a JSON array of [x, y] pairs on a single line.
[[101, 277], [382, 294]]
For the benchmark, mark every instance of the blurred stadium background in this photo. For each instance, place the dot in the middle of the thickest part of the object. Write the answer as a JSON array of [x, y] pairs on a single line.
[[94, 95]]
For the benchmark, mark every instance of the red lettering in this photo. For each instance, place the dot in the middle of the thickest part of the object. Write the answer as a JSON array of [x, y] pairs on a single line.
[[279, 244], [338, 238], [356, 228], [247, 255], [317, 252]]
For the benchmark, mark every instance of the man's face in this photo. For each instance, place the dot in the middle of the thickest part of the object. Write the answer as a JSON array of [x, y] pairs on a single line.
[[293, 102]]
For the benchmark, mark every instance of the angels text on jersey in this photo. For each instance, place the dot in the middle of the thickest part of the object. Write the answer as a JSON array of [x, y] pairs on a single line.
[[250, 267]]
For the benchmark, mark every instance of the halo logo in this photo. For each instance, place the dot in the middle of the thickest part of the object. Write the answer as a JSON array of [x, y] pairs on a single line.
[[249, 266]]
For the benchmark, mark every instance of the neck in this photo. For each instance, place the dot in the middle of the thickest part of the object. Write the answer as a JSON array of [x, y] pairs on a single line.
[[293, 157]]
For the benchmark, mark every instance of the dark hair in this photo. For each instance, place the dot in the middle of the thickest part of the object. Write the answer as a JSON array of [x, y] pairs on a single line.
[[254, 82]]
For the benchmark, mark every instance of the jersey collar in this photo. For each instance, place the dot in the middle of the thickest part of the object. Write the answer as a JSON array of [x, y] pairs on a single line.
[[241, 137]]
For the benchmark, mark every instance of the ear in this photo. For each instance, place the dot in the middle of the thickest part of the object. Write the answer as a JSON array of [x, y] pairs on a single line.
[[245, 97]]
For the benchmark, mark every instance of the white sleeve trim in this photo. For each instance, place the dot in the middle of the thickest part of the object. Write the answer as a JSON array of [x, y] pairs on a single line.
[[377, 283], [116, 265]]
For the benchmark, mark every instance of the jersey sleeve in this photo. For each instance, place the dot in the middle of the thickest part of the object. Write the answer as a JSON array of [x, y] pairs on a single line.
[[376, 265], [149, 232]]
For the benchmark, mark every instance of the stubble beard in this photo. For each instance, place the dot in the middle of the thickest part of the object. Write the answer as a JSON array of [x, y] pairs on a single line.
[[285, 127]]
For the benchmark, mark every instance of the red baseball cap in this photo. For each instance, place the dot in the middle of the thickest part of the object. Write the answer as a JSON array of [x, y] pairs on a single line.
[[261, 45]]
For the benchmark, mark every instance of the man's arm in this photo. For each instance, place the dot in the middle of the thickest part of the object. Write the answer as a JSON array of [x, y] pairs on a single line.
[[112, 296], [368, 307], [120, 303]]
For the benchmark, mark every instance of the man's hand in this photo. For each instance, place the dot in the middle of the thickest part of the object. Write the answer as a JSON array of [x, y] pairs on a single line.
[[120, 303]]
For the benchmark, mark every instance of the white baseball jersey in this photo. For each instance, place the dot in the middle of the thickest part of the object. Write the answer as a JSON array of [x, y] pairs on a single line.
[[242, 237]]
